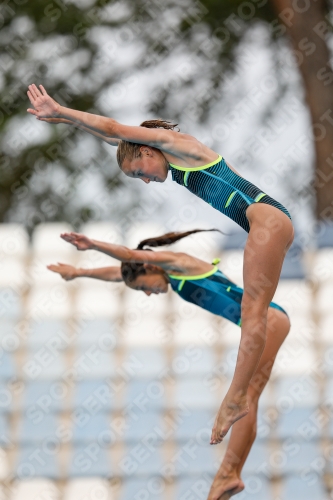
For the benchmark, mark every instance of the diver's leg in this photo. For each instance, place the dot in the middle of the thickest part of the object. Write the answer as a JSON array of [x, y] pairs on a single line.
[[270, 236], [227, 481]]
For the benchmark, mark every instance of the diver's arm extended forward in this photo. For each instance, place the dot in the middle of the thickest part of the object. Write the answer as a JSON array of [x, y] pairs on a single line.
[[68, 272], [120, 252], [46, 107], [177, 262], [105, 138], [170, 142]]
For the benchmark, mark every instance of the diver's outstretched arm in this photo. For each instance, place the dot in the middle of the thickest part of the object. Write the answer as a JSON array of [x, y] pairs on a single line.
[[177, 262], [68, 272], [55, 121], [170, 142], [119, 252], [45, 107]]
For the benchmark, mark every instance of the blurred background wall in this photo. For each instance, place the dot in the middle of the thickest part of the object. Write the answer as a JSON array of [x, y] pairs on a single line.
[[251, 79]]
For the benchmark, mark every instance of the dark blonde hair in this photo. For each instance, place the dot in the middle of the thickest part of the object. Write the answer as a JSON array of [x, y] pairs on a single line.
[[131, 270], [131, 150]]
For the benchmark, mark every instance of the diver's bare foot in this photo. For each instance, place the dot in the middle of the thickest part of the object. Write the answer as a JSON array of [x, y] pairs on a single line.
[[224, 487], [230, 411]]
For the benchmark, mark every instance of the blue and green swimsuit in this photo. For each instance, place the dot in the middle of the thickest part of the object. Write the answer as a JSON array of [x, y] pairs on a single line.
[[223, 189], [214, 292]]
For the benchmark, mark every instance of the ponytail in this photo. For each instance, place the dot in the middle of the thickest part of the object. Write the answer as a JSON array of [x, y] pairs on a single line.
[[159, 124], [169, 238], [131, 270], [130, 150]]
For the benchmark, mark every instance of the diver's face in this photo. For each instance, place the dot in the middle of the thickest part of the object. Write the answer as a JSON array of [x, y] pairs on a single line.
[[150, 283], [150, 166]]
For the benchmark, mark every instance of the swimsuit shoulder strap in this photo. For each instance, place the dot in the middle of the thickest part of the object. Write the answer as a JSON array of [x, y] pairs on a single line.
[[199, 276], [193, 169]]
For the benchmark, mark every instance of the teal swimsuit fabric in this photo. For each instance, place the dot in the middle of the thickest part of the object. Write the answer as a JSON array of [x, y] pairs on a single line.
[[215, 293], [224, 190]]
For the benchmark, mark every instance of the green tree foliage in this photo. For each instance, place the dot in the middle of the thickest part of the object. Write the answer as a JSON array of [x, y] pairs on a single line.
[[42, 170]]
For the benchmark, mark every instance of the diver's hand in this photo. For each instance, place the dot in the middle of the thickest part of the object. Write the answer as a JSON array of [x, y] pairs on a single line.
[[44, 105], [80, 241], [66, 271]]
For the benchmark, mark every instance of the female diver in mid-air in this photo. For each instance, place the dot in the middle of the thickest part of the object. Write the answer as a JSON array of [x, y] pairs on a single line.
[[149, 152], [205, 285]]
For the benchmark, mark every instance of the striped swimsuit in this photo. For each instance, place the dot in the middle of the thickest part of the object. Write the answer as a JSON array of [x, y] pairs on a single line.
[[223, 189], [214, 292]]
